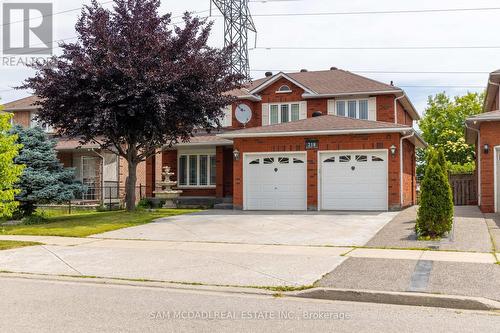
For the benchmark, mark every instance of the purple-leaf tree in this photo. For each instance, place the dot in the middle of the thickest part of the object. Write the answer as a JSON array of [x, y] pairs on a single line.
[[133, 82]]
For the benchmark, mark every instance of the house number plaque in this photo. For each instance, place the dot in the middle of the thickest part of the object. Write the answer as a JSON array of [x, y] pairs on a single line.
[[312, 144]]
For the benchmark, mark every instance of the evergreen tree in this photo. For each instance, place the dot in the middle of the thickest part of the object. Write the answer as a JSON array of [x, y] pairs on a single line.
[[435, 214], [44, 180], [9, 172]]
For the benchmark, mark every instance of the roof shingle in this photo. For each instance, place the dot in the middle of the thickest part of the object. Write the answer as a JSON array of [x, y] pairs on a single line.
[[23, 103], [321, 123]]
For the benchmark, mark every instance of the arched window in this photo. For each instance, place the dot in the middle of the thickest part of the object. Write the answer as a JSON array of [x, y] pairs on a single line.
[[284, 88]]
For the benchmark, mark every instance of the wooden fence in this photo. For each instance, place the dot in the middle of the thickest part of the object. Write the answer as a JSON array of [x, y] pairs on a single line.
[[464, 188]]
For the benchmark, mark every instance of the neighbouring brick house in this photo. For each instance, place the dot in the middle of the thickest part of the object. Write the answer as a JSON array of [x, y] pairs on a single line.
[[327, 140], [103, 172], [483, 130]]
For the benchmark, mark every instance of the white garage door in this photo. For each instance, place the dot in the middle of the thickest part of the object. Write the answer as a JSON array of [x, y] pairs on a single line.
[[354, 180], [275, 181]]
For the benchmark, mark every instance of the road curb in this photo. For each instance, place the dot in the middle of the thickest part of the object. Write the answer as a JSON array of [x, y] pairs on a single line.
[[399, 298], [139, 283]]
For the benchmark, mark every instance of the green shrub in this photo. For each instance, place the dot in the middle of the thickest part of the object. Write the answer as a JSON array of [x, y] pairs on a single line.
[[467, 168], [35, 218], [435, 214], [145, 203]]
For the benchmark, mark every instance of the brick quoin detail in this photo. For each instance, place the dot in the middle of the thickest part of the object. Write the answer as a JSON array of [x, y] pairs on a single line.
[[338, 142]]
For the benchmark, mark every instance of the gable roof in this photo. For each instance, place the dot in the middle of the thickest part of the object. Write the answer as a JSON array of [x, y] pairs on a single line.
[[26, 103], [472, 124], [329, 82]]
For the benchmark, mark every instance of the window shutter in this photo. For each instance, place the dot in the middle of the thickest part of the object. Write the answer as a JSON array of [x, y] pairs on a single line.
[[228, 116], [372, 108], [265, 114], [331, 107], [303, 110]]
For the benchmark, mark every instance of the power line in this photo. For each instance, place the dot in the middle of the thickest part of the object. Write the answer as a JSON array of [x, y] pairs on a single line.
[[383, 72], [411, 11], [75, 37], [425, 47], [49, 15]]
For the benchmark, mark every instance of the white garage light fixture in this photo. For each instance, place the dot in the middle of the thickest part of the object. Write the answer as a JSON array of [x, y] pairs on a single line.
[[236, 155], [393, 150], [486, 148]]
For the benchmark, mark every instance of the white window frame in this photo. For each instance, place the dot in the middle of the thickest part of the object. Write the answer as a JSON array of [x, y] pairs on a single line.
[[279, 91], [209, 155], [289, 112], [346, 107], [34, 123]]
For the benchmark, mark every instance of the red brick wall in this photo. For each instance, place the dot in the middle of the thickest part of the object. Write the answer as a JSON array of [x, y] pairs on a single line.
[[489, 135], [409, 174], [385, 110], [340, 142], [317, 105]]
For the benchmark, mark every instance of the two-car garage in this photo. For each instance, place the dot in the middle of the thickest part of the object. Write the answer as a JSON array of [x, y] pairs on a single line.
[[346, 180]]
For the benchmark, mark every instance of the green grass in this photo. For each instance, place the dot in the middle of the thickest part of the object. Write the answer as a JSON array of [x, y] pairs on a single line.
[[5, 244], [82, 224]]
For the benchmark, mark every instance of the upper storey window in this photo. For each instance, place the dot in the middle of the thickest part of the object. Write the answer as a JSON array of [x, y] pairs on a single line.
[[283, 113], [284, 89], [36, 123], [357, 109]]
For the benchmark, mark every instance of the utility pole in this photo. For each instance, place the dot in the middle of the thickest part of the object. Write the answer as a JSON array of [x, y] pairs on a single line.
[[237, 22]]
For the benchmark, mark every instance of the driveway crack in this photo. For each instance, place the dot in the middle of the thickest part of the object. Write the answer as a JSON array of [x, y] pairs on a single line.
[[62, 260]]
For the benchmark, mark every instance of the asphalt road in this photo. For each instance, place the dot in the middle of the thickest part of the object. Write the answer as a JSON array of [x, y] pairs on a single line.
[[28, 305]]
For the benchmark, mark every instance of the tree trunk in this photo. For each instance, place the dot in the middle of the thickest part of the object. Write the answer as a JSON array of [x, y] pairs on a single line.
[[130, 186]]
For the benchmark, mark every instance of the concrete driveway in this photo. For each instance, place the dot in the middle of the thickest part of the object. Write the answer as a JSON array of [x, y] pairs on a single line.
[[281, 228], [211, 247]]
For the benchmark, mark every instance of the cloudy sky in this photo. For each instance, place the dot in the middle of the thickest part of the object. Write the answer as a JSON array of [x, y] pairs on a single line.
[[289, 40]]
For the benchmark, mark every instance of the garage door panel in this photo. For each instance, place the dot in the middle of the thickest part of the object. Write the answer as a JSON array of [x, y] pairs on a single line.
[[358, 183], [279, 185]]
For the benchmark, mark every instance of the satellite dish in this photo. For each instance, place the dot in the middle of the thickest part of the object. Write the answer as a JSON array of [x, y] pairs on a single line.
[[243, 113]]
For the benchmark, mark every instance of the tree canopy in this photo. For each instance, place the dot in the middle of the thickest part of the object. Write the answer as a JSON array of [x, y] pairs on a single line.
[[9, 172], [44, 180], [443, 126], [134, 82]]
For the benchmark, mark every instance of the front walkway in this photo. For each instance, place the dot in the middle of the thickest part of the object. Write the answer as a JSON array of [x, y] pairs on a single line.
[[447, 270], [470, 232]]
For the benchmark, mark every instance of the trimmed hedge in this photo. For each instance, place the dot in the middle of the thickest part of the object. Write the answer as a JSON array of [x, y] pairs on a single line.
[[435, 214]]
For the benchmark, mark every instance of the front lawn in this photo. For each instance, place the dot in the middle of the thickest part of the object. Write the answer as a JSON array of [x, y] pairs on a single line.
[[6, 244], [87, 223]]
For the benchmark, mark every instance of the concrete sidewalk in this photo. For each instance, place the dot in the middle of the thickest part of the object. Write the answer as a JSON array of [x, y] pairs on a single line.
[[436, 277], [470, 232], [206, 263]]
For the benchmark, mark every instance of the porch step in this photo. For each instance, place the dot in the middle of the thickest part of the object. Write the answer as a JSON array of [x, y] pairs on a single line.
[[227, 200], [197, 202], [224, 205]]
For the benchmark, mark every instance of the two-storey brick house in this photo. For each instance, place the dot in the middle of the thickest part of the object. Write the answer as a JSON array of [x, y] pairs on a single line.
[[327, 140], [483, 131]]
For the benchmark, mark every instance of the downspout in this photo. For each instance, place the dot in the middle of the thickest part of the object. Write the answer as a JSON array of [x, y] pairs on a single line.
[[396, 108], [102, 175], [478, 162], [401, 167]]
